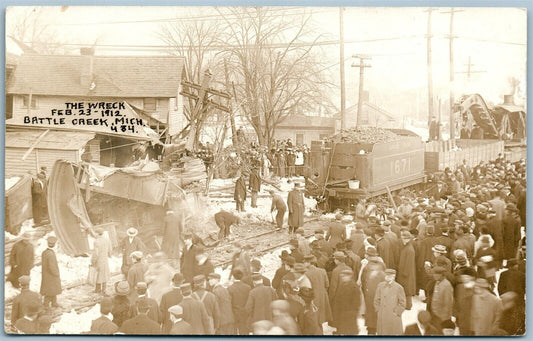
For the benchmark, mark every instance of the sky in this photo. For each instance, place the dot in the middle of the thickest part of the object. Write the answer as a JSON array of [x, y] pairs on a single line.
[[493, 38]]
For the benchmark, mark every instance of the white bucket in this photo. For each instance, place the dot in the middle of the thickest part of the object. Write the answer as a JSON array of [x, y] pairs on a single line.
[[353, 184]]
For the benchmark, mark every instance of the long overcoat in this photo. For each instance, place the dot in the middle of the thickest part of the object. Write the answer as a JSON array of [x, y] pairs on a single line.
[[407, 269], [511, 235], [195, 314], [21, 260], [224, 303], [101, 254], [373, 274], [50, 281], [240, 190], [320, 284], [389, 302], [295, 203], [171, 236], [336, 233], [258, 303], [345, 308]]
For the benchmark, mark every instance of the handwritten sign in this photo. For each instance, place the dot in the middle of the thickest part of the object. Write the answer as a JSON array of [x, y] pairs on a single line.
[[104, 117]]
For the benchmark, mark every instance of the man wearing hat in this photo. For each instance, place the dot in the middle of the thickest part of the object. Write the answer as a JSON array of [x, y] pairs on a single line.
[[320, 283], [136, 271], [141, 324], [239, 194], [100, 260], [50, 280], [389, 302], [256, 268], [171, 243], [371, 275], [486, 310], [239, 292], [209, 300], [21, 259], [462, 241], [279, 205], [39, 189], [346, 304], [324, 246], [179, 326], [254, 184], [302, 280], [287, 262], [194, 312], [511, 231], [28, 323], [422, 326], [259, 300], [140, 293], [336, 231], [296, 205], [129, 244], [340, 265], [498, 204], [22, 300], [169, 299], [442, 297], [406, 276], [103, 324], [226, 325], [241, 259], [295, 251], [121, 303]]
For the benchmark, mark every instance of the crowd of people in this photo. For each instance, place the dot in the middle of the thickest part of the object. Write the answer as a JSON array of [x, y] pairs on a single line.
[[458, 247]]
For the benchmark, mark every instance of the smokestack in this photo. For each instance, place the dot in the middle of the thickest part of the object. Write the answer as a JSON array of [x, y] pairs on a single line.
[[86, 75], [508, 99]]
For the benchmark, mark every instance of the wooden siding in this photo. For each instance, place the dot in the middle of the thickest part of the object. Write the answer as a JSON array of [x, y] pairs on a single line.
[[14, 166]]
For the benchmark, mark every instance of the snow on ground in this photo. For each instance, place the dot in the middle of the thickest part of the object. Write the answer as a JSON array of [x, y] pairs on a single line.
[[73, 323]]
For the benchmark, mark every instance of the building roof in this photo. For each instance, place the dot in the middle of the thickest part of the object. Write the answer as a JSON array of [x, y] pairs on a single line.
[[114, 76], [307, 122], [64, 140]]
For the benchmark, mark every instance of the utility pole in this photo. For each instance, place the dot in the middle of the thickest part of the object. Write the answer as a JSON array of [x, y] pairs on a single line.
[[452, 74], [430, 71], [469, 70], [361, 67], [343, 89]]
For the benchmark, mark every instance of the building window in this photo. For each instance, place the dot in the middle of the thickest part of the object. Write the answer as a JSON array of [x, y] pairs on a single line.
[[25, 100], [299, 139], [150, 104]]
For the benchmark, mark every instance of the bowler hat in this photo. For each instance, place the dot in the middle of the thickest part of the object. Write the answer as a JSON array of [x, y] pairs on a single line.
[[137, 255], [177, 279]]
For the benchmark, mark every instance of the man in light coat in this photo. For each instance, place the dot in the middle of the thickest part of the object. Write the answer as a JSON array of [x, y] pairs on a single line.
[[486, 310], [100, 260], [389, 302]]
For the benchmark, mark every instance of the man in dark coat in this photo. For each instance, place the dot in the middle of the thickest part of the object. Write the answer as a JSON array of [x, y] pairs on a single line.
[[254, 185], [169, 299], [224, 220], [422, 326], [21, 259], [28, 323], [130, 244], [141, 324], [406, 275], [39, 193], [336, 232], [153, 311], [259, 300], [209, 301], [179, 326], [239, 194], [188, 258], [23, 300], [103, 325], [194, 312], [226, 325], [345, 305], [284, 269], [320, 284], [514, 280], [172, 235], [371, 275], [50, 281], [295, 203], [340, 259], [279, 205], [239, 292], [384, 248], [121, 303], [511, 231]]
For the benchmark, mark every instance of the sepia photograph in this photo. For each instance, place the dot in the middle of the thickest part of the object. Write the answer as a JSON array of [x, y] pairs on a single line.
[[265, 170]]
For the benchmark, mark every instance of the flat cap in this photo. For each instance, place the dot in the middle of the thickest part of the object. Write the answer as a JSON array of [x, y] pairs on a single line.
[[198, 279], [176, 310], [439, 248], [24, 280]]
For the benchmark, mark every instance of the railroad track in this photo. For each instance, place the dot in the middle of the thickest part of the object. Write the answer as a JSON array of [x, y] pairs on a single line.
[[94, 298]]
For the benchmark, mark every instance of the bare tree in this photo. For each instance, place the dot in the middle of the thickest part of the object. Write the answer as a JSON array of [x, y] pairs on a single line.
[[274, 59], [27, 25]]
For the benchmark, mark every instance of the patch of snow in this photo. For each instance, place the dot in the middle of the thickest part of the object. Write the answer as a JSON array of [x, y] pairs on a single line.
[[74, 323]]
